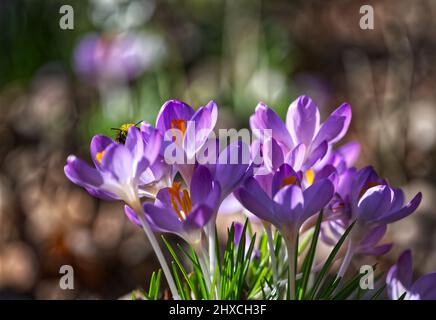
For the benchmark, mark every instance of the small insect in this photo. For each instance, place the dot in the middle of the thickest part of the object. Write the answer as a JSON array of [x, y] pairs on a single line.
[[122, 131]]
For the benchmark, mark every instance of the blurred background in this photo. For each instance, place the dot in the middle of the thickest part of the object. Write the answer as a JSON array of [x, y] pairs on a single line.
[[123, 59]]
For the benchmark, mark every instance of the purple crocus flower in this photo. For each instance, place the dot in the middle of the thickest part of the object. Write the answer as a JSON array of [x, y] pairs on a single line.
[[183, 212], [302, 141], [186, 130], [118, 168], [362, 196], [400, 281], [281, 200]]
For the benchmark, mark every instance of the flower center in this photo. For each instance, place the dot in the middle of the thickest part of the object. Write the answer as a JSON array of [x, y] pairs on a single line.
[[178, 124], [368, 185], [182, 205], [291, 180], [99, 156], [310, 176]]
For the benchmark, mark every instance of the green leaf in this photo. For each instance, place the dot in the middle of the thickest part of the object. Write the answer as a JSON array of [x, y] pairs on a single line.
[[327, 265], [308, 261]]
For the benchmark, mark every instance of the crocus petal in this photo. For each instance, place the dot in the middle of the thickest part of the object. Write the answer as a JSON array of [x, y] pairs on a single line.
[[403, 212], [350, 152], [424, 288], [98, 144], [203, 188], [254, 199], [153, 142], [135, 144], [265, 118], [199, 127], [335, 127], [162, 219], [230, 174], [79, 172], [289, 204], [317, 154], [296, 157], [376, 251], [198, 217], [131, 215], [374, 203], [373, 236], [302, 120], [399, 277], [173, 110], [118, 160], [272, 155], [284, 176], [316, 197]]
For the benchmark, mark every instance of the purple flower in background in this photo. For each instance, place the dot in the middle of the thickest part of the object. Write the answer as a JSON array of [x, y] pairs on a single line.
[[117, 57], [302, 141], [183, 212], [400, 281], [118, 167], [186, 130]]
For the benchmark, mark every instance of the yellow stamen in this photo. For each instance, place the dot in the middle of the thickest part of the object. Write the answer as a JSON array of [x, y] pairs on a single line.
[[310, 176], [99, 156]]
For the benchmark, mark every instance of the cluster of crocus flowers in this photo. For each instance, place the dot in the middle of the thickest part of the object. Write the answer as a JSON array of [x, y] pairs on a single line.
[[303, 175]]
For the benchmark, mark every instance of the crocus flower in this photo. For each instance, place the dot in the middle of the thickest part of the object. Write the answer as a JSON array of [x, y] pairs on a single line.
[[117, 167], [283, 202], [183, 212], [186, 131], [302, 141], [400, 281]]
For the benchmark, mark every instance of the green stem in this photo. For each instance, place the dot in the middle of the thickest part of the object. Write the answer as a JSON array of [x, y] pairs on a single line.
[[157, 250], [272, 254]]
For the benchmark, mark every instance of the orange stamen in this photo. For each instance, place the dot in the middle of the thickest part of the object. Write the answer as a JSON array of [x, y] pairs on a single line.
[[182, 205], [178, 124], [99, 156]]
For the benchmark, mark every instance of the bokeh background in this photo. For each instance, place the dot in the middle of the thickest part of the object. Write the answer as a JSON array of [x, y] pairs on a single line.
[[125, 58]]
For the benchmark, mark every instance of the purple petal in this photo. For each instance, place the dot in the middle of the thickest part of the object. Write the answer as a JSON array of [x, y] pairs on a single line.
[[316, 197], [315, 155], [399, 277], [272, 155], [336, 125], [135, 144], [302, 120], [376, 251], [198, 217], [254, 199], [373, 236], [230, 175], [285, 172], [162, 219], [99, 143], [153, 143], [350, 152], [425, 287], [172, 110], [82, 174], [239, 227], [199, 127], [265, 118], [289, 204], [296, 157], [403, 212], [132, 215], [118, 161], [374, 203], [203, 188]]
